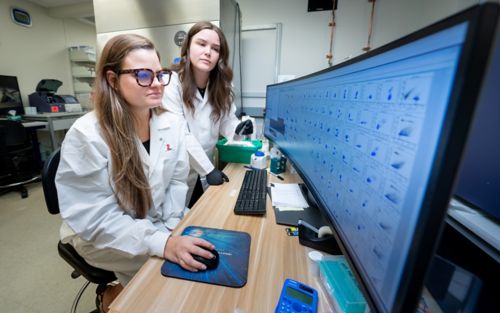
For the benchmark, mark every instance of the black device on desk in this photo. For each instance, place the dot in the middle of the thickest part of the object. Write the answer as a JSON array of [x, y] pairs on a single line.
[[319, 239], [252, 197], [378, 140], [209, 263], [45, 98]]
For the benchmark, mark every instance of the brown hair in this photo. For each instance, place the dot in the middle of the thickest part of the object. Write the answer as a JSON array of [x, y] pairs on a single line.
[[220, 92], [131, 186]]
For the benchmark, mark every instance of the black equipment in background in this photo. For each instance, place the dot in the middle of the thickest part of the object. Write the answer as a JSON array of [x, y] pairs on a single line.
[[17, 158], [321, 5], [45, 98], [10, 96]]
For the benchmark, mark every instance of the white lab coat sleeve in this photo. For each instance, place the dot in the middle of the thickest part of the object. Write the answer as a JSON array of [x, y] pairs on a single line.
[[88, 205], [172, 101], [198, 159], [228, 125]]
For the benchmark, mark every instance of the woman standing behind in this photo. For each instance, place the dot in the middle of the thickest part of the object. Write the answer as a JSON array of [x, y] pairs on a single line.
[[121, 178], [201, 91]]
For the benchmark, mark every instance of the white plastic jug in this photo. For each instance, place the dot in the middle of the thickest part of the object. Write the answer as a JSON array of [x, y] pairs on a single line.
[[258, 160]]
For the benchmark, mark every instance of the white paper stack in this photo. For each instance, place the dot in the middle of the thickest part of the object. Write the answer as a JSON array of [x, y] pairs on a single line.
[[288, 197]]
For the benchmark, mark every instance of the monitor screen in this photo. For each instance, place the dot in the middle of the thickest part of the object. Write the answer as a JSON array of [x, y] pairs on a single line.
[[377, 140], [10, 96], [478, 183]]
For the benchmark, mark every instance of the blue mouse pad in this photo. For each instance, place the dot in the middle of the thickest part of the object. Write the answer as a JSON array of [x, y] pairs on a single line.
[[234, 250]]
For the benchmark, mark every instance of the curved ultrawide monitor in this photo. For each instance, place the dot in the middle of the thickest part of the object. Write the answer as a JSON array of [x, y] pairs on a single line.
[[378, 140]]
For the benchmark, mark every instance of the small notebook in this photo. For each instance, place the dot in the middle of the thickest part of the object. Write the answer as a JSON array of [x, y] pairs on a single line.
[[234, 251]]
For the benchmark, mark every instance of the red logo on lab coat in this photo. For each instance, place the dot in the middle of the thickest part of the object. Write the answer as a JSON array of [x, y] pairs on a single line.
[[168, 148]]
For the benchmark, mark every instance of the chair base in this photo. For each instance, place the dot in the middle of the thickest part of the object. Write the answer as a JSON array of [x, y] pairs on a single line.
[[19, 186], [21, 189], [98, 300]]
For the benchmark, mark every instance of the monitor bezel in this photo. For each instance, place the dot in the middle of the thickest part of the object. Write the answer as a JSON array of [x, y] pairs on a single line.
[[465, 90]]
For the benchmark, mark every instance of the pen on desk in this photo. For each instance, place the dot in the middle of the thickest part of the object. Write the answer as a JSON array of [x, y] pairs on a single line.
[[279, 177], [248, 167]]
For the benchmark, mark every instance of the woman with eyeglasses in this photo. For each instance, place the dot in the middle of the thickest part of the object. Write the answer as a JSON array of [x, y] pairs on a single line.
[[201, 91], [121, 179]]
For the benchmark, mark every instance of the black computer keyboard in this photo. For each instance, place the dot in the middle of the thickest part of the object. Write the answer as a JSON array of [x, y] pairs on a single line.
[[252, 197]]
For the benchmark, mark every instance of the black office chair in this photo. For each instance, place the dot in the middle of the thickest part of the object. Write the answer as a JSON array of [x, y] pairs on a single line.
[[66, 251], [16, 158]]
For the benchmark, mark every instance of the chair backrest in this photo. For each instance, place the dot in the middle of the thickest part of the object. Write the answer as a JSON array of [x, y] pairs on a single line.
[[16, 154], [66, 250], [48, 181], [12, 135]]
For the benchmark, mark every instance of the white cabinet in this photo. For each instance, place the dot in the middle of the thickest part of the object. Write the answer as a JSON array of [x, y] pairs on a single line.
[[83, 60]]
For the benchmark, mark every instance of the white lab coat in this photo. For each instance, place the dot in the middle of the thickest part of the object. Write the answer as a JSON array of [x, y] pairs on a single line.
[[206, 132], [92, 218]]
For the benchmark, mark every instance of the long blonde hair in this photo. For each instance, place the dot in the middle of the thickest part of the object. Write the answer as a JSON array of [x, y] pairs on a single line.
[[131, 185]]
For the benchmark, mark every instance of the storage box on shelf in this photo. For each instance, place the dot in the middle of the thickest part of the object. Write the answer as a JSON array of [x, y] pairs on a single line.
[[83, 70], [82, 53], [82, 60], [81, 86]]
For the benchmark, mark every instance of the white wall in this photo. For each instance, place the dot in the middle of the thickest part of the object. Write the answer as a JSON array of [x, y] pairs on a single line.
[[120, 15], [306, 35], [38, 52]]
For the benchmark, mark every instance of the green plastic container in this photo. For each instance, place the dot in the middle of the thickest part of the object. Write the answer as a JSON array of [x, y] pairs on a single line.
[[237, 154], [341, 285]]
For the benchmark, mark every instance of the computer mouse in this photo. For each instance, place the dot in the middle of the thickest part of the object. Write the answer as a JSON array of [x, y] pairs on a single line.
[[209, 263]]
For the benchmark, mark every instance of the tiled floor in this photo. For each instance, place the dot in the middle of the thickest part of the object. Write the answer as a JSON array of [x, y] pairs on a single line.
[[33, 278]]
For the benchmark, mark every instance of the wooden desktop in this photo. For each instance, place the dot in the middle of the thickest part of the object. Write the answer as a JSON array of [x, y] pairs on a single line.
[[274, 256]]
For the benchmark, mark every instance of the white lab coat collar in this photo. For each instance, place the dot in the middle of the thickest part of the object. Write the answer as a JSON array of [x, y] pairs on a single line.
[[202, 101], [156, 142]]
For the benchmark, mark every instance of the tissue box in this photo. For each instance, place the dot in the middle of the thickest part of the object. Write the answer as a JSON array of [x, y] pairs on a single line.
[[15, 118], [237, 154]]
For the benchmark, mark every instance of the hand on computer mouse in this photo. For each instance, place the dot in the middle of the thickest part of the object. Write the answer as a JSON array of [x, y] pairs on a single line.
[[210, 263], [180, 250]]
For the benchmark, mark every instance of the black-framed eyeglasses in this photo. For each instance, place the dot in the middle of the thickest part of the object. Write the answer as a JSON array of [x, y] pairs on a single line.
[[145, 76]]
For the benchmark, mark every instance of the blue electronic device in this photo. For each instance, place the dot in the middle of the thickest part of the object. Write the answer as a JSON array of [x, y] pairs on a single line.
[[297, 297]]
